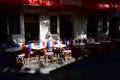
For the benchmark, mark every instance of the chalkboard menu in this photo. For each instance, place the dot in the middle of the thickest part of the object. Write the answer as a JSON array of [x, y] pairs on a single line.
[[14, 23], [53, 24]]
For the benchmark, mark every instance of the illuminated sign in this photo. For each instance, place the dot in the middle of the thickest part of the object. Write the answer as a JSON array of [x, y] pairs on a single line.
[[108, 6]]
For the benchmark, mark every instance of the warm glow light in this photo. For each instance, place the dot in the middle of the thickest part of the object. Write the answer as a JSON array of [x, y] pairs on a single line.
[[113, 6], [103, 5]]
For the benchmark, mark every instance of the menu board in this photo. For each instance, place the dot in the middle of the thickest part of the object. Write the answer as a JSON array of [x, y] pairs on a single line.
[[53, 24]]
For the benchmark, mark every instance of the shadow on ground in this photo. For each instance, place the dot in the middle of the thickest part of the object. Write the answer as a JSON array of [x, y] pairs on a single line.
[[105, 67]]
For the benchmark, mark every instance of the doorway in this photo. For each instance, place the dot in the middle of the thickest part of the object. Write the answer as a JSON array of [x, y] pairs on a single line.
[[66, 28], [92, 26], [115, 27], [31, 26]]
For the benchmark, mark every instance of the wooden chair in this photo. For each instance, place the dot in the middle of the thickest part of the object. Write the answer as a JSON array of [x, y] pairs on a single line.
[[48, 55], [21, 57], [32, 52], [67, 54]]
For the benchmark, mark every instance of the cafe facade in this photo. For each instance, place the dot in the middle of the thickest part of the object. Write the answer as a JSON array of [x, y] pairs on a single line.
[[57, 19]]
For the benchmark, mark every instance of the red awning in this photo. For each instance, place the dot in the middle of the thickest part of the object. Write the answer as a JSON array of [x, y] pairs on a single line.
[[63, 3]]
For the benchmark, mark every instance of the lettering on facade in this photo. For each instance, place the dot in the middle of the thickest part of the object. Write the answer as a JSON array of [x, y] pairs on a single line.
[[57, 2], [71, 2]]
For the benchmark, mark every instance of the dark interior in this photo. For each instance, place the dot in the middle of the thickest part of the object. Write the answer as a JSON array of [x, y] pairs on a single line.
[[31, 26], [92, 26], [66, 30], [3, 28]]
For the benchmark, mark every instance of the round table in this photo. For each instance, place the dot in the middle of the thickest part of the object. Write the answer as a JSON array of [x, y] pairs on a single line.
[[105, 41], [38, 47], [80, 44], [12, 53], [95, 43], [60, 45], [13, 49]]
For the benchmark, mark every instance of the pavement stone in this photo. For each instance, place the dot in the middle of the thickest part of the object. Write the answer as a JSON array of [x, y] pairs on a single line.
[[105, 67]]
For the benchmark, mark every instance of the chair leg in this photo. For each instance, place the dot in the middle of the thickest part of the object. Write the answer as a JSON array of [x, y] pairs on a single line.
[[28, 57], [67, 56], [23, 60], [20, 60], [17, 60], [47, 58]]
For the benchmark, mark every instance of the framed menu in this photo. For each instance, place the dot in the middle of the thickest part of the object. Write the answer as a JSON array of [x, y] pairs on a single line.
[[53, 24]]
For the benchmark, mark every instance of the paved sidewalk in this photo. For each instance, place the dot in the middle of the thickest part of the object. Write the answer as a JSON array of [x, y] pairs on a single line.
[[34, 66], [106, 67]]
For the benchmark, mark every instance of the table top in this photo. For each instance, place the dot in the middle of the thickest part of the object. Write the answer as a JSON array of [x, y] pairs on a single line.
[[13, 49], [105, 41], [38, 47], [95, 43], [80, 44], [67, 51], [60, 45]]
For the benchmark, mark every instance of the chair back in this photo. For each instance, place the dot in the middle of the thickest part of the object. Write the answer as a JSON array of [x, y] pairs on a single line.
[[65, 42], [57, 42], [38, 43], [29, 48], [61, 41], [76, 41], [85, 41], [107, 39], [18, 45], [48, 44]]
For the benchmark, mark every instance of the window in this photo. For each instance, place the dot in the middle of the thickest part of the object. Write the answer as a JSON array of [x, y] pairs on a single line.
[[53, 24], [14, 23]]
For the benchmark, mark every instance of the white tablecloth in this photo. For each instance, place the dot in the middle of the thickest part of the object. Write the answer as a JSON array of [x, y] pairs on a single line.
[[38, 47], [14, 49], [60, 45]]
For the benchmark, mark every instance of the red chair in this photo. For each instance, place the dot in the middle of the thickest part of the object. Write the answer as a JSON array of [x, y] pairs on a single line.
[[20, 58]]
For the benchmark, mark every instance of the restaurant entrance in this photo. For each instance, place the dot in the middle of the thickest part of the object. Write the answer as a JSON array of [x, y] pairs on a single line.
[[92, 26], [66, 29], [31, 26], [115, 27]]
